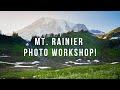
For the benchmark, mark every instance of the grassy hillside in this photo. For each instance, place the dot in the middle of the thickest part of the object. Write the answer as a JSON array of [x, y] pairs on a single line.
[[111, 46], [115, 32], [13, 46], [111, 50], [112, 33]]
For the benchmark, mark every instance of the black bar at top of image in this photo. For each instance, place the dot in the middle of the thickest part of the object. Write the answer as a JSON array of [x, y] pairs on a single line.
[[66, 5]]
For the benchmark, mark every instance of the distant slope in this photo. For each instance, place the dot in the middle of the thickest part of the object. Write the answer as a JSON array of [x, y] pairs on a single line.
[[113, 33]]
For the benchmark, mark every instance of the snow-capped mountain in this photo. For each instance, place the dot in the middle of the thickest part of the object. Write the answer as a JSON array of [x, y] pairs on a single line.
[[97, 32], [48, 25]]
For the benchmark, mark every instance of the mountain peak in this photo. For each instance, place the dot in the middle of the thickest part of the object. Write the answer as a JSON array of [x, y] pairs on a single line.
[[46, 18], [47, 25]]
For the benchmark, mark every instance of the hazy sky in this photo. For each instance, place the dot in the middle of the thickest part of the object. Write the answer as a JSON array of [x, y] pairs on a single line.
[[101, 20]]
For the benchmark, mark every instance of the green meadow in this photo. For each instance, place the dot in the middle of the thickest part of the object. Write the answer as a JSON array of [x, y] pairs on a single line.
[[107, 71]]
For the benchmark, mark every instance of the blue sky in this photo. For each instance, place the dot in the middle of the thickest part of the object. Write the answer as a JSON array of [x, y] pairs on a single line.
[[101, 20]]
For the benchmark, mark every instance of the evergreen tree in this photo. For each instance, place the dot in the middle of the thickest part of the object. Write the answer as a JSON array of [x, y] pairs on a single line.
[[15, 34]]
